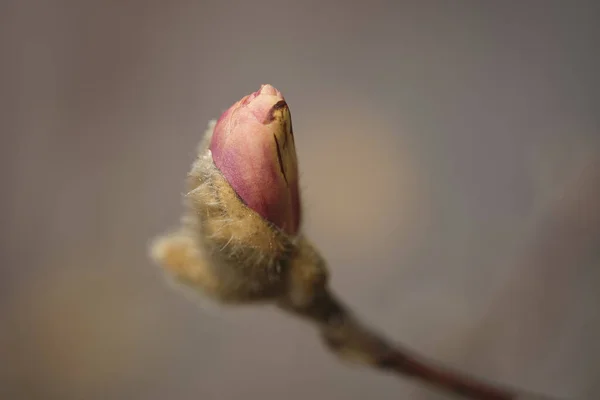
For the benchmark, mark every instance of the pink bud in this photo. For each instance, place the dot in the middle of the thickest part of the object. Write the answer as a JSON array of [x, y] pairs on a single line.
[[253, 147]]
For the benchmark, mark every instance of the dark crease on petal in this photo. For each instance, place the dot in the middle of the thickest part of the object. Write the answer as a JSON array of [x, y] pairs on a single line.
[[278, 106], [279, 159]]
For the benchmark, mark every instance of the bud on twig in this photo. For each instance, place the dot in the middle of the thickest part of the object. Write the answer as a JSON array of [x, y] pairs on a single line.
[[243, 220], [240, 240]]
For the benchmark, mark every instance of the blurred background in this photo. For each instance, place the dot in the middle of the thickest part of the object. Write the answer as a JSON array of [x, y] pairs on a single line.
[[450, 161]]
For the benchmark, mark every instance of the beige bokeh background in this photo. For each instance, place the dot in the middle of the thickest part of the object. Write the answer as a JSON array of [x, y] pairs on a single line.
[[450, 164]]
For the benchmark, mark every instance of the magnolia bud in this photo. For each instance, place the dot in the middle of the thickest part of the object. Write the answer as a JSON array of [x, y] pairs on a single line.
[[253, 147], [241, 232]]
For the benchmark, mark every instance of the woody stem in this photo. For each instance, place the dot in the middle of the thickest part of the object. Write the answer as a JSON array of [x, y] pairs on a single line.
[[349, 339]]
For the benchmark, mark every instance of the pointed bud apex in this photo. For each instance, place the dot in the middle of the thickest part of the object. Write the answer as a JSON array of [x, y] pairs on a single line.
[[253, 147]]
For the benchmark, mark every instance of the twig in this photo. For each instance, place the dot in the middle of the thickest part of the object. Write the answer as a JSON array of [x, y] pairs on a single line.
[[344, 335]]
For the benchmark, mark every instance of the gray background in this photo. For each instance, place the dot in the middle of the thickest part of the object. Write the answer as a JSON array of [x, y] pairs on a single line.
[[451, 170]]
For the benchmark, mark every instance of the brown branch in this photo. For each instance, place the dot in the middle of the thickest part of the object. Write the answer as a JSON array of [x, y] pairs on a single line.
[[349, 339], [308, 297], [220, 260]]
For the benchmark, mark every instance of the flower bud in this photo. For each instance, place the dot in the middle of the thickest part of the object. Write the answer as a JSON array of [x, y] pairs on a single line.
[[241, 228], [239, 240], [253, 147]]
